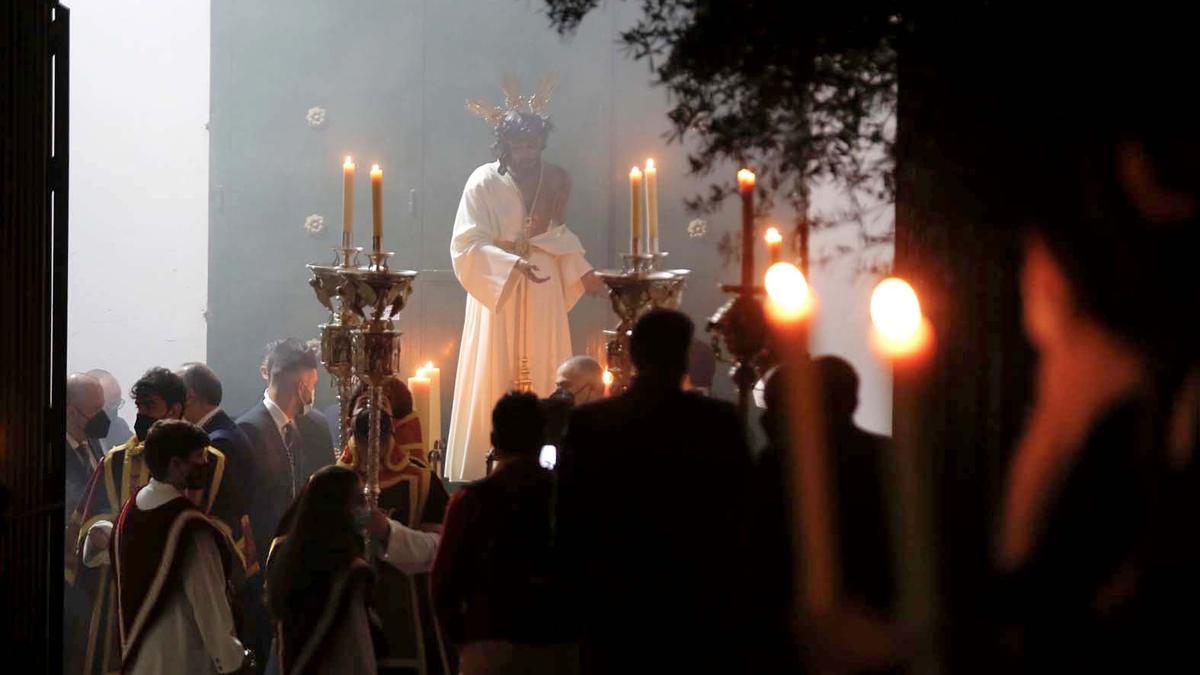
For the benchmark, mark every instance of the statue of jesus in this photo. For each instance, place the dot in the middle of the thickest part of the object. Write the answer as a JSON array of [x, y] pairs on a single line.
[[523, 270]]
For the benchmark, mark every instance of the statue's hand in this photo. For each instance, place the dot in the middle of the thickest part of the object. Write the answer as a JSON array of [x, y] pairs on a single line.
[[592, 284], [531, 271]]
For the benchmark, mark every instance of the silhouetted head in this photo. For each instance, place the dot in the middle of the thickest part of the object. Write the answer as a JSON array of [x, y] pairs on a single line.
[[659, 346], [518, 426], [839, 382]]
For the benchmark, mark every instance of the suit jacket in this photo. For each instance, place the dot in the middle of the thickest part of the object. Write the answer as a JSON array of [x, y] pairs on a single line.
[[78, 473], [651, 524], [277, 483], [226, 436]]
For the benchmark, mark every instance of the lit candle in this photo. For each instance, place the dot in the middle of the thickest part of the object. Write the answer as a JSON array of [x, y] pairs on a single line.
[[774, 244], [348, 202], [745, 180], [420, 389], [901, 333], [899, 329], [652, 204], [608, 382], [788, 309], [434, 375], [377, 208], [635, 210]]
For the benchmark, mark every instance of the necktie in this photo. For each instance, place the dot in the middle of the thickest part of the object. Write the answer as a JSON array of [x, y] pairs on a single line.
[[85, 455], [290, 437]]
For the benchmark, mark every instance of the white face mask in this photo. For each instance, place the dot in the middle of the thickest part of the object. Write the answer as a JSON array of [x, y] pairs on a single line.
[[306, 402]]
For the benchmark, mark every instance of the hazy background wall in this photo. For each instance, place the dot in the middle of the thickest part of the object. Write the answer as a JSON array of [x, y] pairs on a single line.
[[139, 185]]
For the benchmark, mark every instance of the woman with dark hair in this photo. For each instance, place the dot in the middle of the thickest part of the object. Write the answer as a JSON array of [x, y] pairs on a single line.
[[318, 582]]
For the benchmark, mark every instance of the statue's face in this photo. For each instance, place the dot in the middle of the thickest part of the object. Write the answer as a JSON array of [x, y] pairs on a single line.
[[525, 151]]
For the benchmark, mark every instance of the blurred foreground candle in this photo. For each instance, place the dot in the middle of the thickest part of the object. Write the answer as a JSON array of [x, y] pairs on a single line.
[[635, 210], [652, 204], [377, 208], [434, 375], [348, 202], [789, 308], [898, 327], [608, 382], [774, 244], [420, 388], [745, 180], [901, 333]]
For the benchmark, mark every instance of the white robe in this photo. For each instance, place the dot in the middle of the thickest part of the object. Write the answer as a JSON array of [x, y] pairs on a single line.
[[492, 211]]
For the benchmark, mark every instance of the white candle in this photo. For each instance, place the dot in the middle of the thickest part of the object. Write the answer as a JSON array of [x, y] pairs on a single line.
[[434, 375], [652, 204], [348, 169], [419, 387], [377, 208]]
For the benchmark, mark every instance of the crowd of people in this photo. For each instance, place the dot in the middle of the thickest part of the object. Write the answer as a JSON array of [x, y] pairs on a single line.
[[657, 541]]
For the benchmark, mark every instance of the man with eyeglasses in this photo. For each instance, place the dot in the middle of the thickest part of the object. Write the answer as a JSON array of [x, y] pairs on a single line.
[[118, 430]]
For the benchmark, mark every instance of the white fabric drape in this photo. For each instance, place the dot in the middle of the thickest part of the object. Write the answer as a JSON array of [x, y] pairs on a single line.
[[490, 213]]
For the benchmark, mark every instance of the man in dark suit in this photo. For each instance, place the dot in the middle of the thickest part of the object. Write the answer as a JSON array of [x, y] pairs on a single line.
[[87, 423], [203, 408], [651, 510], [288, 439]]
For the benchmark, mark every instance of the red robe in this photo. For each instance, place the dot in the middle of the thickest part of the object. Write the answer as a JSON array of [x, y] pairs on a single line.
[[147, 548]]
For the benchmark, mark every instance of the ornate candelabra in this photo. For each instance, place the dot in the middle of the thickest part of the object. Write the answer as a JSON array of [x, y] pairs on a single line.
[[741, 324], [336, 343], [377, 295], [633, 291], [360, 342]]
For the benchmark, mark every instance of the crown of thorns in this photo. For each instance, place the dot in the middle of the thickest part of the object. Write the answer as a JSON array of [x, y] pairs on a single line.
[[514, 102]]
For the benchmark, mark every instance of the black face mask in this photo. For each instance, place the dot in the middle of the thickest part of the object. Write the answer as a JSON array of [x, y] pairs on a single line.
[[362, 425], [97, 426], [195, 477], [142, 424]]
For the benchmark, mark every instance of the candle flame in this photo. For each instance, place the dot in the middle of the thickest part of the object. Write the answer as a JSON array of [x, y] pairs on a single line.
[[745, 179], [900, 328], [772, 236], [608, 377], [349, 162], [788, 293], [429, 365], [650, 165], [375, 169], [635, 172]]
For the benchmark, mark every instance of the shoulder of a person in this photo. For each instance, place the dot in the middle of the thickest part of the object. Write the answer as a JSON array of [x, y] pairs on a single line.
[[484, 173], [252, 416]]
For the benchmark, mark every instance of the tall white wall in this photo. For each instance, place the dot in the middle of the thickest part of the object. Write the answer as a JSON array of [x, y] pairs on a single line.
[[139, 185]]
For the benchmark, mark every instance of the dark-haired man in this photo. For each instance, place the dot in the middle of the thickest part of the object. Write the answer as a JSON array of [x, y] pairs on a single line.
[[158, 394], [289, 440], [496, 583], [172, 565], [523, 270], [646, 556]]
